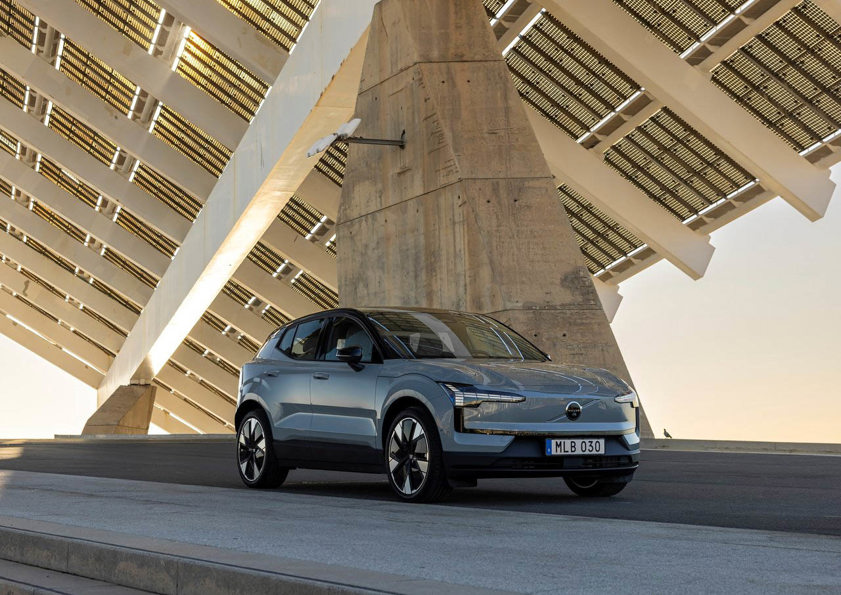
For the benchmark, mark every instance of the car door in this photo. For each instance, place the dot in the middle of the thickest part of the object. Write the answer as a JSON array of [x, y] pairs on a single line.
[[342, 396], [285, 372]]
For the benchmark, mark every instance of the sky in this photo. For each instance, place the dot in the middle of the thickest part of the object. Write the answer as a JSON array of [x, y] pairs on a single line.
[[752, 351]]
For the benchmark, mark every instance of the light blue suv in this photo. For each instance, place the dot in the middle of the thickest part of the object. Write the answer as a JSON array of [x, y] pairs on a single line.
[[433, 399]]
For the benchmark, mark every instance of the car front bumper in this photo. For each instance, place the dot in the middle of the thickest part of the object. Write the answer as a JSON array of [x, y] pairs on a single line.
[[525, 457]]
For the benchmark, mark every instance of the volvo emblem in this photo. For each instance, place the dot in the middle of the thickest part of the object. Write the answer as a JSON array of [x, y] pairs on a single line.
[[573, 410]]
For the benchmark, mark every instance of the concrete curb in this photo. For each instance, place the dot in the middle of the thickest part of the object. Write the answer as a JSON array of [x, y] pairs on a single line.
[[174, 568], [647, 443], [145, 438], [806, 448]]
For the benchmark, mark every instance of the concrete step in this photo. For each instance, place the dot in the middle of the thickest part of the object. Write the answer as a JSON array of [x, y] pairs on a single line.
[[19, 579], [145, 569]]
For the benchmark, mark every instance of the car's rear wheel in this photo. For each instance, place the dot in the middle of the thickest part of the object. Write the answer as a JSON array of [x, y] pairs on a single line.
[[256, 461], [595, 487], [414, 458]]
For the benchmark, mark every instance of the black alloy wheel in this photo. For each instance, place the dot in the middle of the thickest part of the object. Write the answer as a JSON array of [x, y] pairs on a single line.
[[414, 458], [256, 461]]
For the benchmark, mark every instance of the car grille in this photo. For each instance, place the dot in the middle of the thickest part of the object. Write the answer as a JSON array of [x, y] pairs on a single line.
[[563, 463]]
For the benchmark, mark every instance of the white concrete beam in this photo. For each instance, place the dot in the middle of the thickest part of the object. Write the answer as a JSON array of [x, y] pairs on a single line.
[[53, 331], [93, 172], [232, 35], [223, 346], [314, 94], [304, 254], [514, 28], [241, 318], [609, 296], [623, 41], [130, 60], [61, 309], [49, 352], [588, 175], [74, 210], [184, 411], [207, 371], [830, 7], [81, 290], [101, 116], [61, 243], [626, 127], [723, 44], [319, 191], [197, 393], [272, 291], [169, 424]]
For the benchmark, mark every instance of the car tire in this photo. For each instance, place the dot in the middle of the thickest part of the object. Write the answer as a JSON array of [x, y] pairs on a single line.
[[256, 460], [414, 458], [595, 487]]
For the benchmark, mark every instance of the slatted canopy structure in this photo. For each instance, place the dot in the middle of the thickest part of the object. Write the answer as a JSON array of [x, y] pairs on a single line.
[[127, 126]]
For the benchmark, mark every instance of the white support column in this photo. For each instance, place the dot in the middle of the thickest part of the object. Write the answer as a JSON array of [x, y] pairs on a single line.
[[272, 291], [167, 423], [197, 393], [50, 352], [585, 172], [130, 60], [302, 253], [99, 115], [231, 34], [92, 171], [95, 223], [81, 290], [53, 331], [185, 411], [86, 259], [241, 318], [623, 41], [314, 94], [61, 309], [609, 296]]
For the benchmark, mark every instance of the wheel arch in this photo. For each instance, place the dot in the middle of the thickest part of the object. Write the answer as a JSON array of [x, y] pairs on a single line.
[[247, 407], [421, 391], [398, 405]]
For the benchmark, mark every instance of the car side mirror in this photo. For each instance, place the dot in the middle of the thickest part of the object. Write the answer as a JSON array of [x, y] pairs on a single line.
[[351, 355]]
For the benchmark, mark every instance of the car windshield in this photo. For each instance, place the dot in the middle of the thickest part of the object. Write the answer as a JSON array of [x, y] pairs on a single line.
[[427, 335]]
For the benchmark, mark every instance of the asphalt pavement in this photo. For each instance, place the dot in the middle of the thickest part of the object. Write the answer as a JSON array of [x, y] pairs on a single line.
[[774, 492]]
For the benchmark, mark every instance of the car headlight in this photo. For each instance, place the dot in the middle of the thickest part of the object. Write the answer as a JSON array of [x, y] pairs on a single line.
[[630, 397], [466, 395]]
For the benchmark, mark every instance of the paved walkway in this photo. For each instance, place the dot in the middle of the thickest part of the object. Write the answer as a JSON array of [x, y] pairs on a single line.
[[513, 551]]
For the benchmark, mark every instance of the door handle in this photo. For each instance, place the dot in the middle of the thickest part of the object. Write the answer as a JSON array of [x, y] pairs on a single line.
[[272, 374], [321, 376]]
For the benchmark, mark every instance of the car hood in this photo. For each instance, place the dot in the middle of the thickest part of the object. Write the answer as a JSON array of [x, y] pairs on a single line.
[[533, 377]]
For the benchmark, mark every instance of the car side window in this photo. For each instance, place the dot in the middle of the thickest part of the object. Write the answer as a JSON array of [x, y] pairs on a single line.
[[285, 343], [346, 332], [265, 352], [305, 344]]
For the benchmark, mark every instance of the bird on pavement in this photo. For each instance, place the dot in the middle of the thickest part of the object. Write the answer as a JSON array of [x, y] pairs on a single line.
[[666, 433]]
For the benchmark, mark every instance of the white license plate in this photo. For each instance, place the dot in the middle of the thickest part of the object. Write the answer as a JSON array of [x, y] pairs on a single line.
[[574, 446]]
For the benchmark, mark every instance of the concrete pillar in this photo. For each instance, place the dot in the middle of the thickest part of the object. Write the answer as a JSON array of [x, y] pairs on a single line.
[[465, 217], [127, 411]]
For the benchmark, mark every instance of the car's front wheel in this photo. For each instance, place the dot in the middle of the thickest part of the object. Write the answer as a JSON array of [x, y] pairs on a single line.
[[595, 487], [256, 461], [414, 458]]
